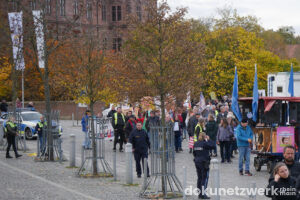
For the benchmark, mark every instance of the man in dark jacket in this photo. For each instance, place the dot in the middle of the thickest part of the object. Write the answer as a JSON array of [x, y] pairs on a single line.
[[130, 126], [112, 111], [289, 160], [140, 145], [184, 128], [152, 121], [11, 133], [118, 123], [3, 106], [211, 131]]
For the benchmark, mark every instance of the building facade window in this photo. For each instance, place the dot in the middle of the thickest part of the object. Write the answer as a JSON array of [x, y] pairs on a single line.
[[32, 4], [116, 13], [103, 12], [139, 12], [89, 11], [76, 7], [48, 7], [62, 4], [117, 44]]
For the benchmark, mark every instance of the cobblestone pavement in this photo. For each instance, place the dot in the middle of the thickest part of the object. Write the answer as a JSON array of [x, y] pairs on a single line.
[[26, 179]]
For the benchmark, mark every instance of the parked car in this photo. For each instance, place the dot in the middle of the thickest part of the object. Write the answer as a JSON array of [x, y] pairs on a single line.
[[28, 120]]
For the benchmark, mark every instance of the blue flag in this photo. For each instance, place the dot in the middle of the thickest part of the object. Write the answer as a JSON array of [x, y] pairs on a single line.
[[291, 82], [234, 101], [255, 97]]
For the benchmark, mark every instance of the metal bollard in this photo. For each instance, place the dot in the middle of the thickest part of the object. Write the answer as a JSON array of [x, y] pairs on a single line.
[[115, 165], [73, 119], [38, 146], [215, 178], [128, 152], [184, 182], [72, 151], [252, 187], [145, 173]]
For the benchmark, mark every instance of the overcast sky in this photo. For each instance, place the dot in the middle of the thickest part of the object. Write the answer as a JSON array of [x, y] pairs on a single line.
[[271, 13]]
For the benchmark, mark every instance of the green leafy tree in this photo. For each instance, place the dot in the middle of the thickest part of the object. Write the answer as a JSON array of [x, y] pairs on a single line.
[[234, 46]]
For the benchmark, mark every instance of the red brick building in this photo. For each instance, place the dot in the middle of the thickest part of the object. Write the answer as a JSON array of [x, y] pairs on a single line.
[[107, 18]]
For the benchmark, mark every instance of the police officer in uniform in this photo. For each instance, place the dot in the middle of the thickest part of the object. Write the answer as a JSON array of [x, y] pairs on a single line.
[[11, 133], [40, 129], [199, 128], [140, 145], [202, 161], [118, 122]]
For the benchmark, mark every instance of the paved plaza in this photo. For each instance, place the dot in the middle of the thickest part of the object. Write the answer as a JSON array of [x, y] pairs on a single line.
[[26, 179]]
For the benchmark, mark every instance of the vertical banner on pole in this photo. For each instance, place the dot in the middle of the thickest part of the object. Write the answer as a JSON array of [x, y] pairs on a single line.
[[39, 32], [16, 28]]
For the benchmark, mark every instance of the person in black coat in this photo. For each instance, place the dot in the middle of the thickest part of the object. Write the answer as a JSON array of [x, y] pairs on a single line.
[[3, 106], [184, 128], [283, 186], [202, 162], [152, 121], [211, 128], [11, 133], [140, 145], [111, 112], [291, 163], [118, 123]]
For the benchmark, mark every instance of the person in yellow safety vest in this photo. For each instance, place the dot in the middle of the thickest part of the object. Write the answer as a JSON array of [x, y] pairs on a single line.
[[118, 122], [11, 133], [40, 129], [199, 129]]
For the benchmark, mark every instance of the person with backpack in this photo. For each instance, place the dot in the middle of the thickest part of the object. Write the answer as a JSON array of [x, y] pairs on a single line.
[[11, 133], [212, 130]]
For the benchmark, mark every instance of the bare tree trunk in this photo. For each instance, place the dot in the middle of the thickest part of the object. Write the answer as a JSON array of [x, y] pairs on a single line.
[[95, 171], [164, 161]]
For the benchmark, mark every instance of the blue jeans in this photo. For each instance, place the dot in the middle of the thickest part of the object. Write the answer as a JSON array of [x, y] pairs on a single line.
[[244, 152], [87, 141], [177, 142], [184, 132], [215, 148], [43, 141]]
